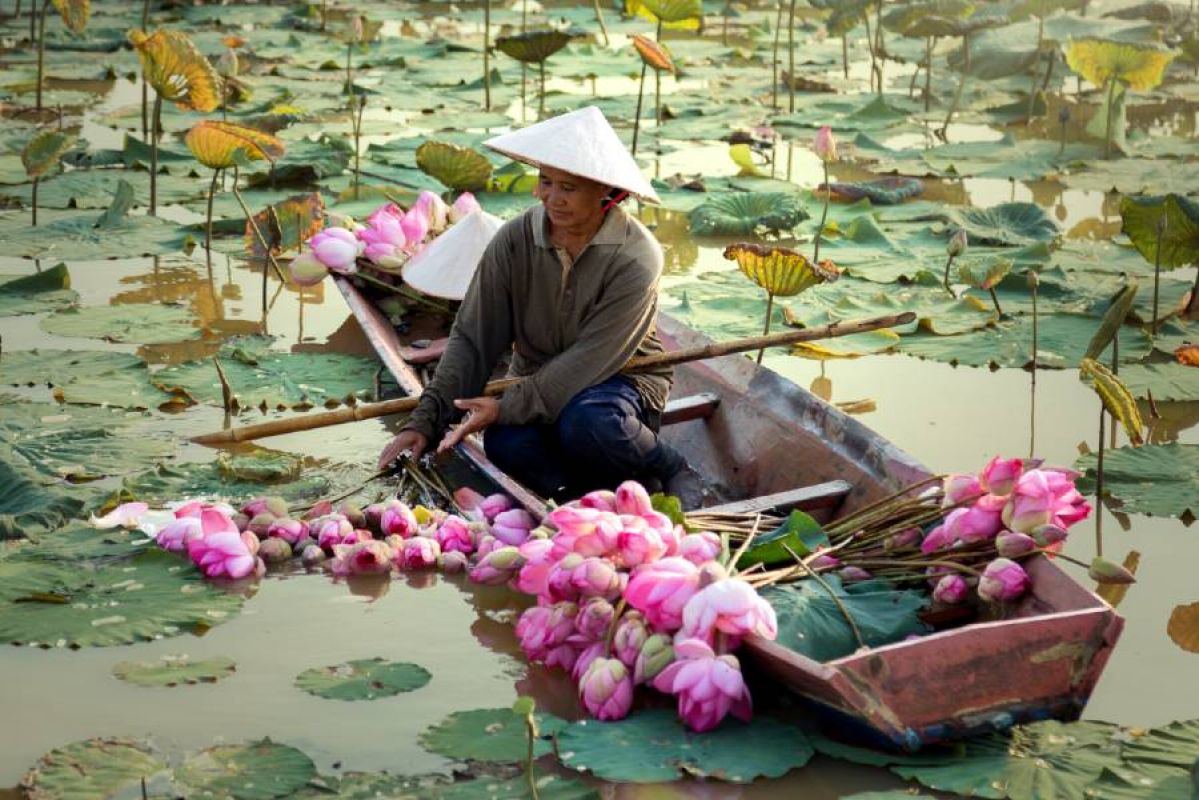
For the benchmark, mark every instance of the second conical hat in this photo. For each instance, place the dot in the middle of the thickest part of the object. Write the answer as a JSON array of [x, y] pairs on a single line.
[[581, 143], [447, 264]]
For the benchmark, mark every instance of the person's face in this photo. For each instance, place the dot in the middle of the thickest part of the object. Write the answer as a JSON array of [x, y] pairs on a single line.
[[570, 202]]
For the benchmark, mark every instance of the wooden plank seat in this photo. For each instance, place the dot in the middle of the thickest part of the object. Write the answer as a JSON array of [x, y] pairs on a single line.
[[684, 409], [828, 495]]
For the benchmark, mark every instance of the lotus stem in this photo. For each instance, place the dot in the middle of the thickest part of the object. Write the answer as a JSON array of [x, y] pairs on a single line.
[[774, 61], [155, 123], [350, 73], [1061, 148], [953, 107], [912, 82], [1099, 485], [945, 280], [357, 118], [845, 55], [529, 774], [1194, 301], [658, 89], [870, 47], [1032, 426], [853, 625], [1157, 272], [766, 329], [145, 86], [1049, 70], [880, 44], [1032, 91], [791, 58], [637, 114], [34, 200], [928, 72], [599, 17], [823, 216], [324, 14], [258, 235], [208, 223], [41, 47], [995, 300], [486, 55], [1107, 136], [541, 93], [32, 21], [966, 52]]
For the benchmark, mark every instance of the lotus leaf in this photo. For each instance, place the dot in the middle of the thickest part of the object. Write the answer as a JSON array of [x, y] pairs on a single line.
[[1158, 480], [1165, 382], [73, 235], [487, 734], [911, 18], [256, 771], [1179, 238], [780, 270], [364, 679], [94, 188], [983, 275], [652, 53], [811, 621], [1006, 224], [263, 378], [1173, 745], [1042, 8], [259, 465], [307, 162], [88, 377], [298, 219], [549, 787], [460, 168], [176, 70], [1041, 761], [48, 290], [1141, 781], [166, 483], [130, 322], [1116, 398], [106, 767], [152, 595], [221, 145], [893, 794], [651, 746], [1136, 176], [673, 13], [78, 542], [742, 213], [799, 535], [44, 152], [74, 14], [852, 346], [880, 191], [27, 507], [1138, 66], [174, 670], [532, 47]]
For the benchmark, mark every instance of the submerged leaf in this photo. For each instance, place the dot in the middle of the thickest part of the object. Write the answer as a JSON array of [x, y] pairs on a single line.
[[364, 679], [149, 323], [462, 169], [176, 70], [780, 270]]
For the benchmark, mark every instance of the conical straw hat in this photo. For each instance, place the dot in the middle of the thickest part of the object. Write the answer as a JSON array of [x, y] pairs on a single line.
[[581, 143], [447, 264]]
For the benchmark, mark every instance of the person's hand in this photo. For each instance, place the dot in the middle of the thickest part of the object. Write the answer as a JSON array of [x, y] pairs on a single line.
[[480, 412], [413, 441]]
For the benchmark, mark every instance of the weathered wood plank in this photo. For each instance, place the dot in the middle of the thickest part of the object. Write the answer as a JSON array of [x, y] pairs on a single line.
[[805, 498]]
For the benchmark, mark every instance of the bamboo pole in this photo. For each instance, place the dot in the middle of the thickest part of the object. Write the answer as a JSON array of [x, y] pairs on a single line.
[[406, 404]]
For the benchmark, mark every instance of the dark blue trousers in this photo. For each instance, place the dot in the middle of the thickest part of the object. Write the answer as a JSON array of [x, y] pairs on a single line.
[[603, 436]]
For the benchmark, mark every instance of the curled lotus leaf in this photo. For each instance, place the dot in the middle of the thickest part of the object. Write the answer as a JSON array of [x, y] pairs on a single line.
[[44, 151], [889, 191], [105, 767], [915, 19], [532, 47], [1005, 225], [74, 13], [741, 213], [1116, 397], [984, 276], [462, 169], [179, 72], [1138, 66], [1178, 220], [221, 145], [653, 53], [781, 271], [674, 13]]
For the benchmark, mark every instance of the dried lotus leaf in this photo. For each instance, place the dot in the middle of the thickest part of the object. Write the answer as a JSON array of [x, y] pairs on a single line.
[[179, 72]]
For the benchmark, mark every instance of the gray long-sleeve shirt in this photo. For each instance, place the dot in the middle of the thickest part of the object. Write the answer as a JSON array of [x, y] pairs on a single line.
[[570, 325]]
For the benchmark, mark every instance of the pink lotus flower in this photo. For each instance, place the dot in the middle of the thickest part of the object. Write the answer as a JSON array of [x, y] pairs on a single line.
[[600, 500], [332, 529], [959, 488], [362, 558], [455, 536], [289, 530], [700, 548], [420, 552], [497, 567], [126, 515], [656, 654], [584, 659], [564, 657], [596, 577], [540, 629], [951, 590], [1003, 580], [534, 575], [999, 476], [337, 249], [660, 591], [512, 526], [938, 538], [1048, 535], [177, 536], [977, 523], [306, 269], [434, 209], [638, 544], [398, 518], [607, 689], [384, 237], [594, 618], [415, 224], [631, 498], [631, 635], [224, 554], [586, 531], [708, 686], [312, 555], [1014, 545], [494, 504], [263, 504], [559, 581], [731, 607], [465, 204], [485, 545], [824, 562], [453, 562], [825, 145]]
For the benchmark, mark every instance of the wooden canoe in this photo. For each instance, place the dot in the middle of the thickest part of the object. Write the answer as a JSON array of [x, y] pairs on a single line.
[[761, 442]]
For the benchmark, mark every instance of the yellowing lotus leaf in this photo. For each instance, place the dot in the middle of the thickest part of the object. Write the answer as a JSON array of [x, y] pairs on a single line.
[[653, 53], [533, 47], [286, 224], [44, 152], [179, 72], [1116, 397], [74, 13], [221, 145], [459, 168], [982, 276], [780, 270], [1138, 66], [676, 14]]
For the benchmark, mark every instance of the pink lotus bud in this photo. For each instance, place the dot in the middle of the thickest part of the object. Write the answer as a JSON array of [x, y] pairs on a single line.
[[398, 518], [265, 504], [415, 224], [241, 521], [631, 635], [594, 618], [485, 544], [312, 555], [353, 512], [977, 523], [564, 657], [824, 562], [289, 530], [660, 591], [497, 566], [1014, 545], [730, 606], [175, 536], [951, 590], [1104, 571], [1046, 535], [534, 575], [637, 547], [374, 515], [261, 523], [435, 210], [585, 658], [590, 532], [825, 145], [223, 554], [321, 509], [607, 689], [699, 548], [656, 654], [937, 539], [453, 562], [494, 504], [337, 249], [306, 269], [999, 475], [852, 574], [596, 577], [955, 247], [1003, 580], [275, 550], [710, 573], [631, 498], [331, 530], [362, 558], [960, 487], [420, 552], [540, 629], [708, 686], [512, 527], [454, 535], [125, 515], [465, 204], [560, 580], [600, 500], [251, 541], [908, 537]]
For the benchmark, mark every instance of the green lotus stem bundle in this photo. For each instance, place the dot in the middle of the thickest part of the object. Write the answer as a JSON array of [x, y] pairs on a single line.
[[853, 625]]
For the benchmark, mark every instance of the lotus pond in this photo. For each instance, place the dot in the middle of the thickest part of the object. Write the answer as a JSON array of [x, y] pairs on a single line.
[[1057, 135]]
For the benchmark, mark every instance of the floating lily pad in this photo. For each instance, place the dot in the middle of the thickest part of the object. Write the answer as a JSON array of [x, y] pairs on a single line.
[[88, 377], [1141, 781], [28, 507], [92, 768], [653, 745], [741, 213], [487, 734], [165, 483], [1010, 224], [49, 290], [549, 787], [78, 542], [174, 670], [1158, 480], [152, 595], [1166, 382], [150, 323], [1173, 745], [812, 622], [364, 679], [881, 191], [74, 235], [257, 771]]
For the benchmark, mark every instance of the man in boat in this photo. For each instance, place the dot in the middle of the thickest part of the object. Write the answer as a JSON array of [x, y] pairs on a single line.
[[570, 287]]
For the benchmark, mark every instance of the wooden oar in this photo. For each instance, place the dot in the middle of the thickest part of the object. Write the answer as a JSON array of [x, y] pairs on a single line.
[[307, 422]]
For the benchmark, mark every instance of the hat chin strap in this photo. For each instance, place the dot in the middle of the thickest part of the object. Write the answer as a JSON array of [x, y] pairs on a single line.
[[613, 201]]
